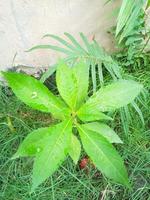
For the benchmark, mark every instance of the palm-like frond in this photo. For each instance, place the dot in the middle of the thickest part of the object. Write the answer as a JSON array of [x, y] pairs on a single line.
[[92, 52]]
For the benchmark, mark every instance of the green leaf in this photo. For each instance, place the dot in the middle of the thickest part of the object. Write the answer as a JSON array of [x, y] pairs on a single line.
[[104, 155], [87, 44], [128, 15], [81, 72], [72, 83], [89, 113], [61, 41], [113, 96], [48, 73], [103, 130], [55, 48], [34, 143], [33, 93], [76, 43], [148, 4], [54, 153], [133, 17], [75, 149], [124, 14]]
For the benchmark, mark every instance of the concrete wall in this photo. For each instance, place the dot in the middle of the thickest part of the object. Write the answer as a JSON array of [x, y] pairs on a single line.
[[24, 22]]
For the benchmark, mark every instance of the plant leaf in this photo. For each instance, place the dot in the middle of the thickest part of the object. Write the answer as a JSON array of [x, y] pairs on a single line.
[[33, 93], [80, 70], [71, 84], [75, 149], [34, 142], [128, 14], [113, 96], [88, 113], [48, 73], [55, 48], [54, 153], [131, 23], [103, 130], [124, 14], [104, 155], [61, 41], [76, 43], [139, 112]]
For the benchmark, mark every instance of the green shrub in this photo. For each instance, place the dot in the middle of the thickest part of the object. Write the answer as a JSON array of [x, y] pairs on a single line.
[[74, 111]]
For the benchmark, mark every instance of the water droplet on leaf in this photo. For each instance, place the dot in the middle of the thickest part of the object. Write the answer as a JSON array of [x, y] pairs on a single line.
[[38, 150], [34, 95]]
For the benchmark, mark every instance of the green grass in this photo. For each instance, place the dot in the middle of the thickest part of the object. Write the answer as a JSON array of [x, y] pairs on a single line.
[[70, 182]]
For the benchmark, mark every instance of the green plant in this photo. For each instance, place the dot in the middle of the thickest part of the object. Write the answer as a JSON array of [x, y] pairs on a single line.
[[96, 58], [50, 146], [90, 52], [133, 46], [128, 15], [132, 36], [132, 33]]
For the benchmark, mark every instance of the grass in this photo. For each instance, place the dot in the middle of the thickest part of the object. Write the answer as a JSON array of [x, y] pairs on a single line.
[[70, 182]]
